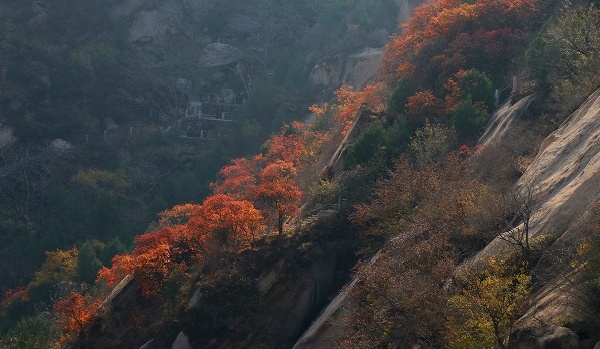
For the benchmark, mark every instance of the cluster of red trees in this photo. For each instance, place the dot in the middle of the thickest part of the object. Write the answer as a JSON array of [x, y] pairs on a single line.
[[445, 36], [74, 313], [446, 40], [252, 196]]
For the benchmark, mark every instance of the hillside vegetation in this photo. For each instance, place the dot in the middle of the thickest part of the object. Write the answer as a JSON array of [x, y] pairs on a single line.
[[447, 251], [90, 137]]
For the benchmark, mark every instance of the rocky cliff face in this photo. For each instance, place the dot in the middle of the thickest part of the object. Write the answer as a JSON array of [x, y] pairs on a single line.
[[564, 176], [355, 70], [359, 68]]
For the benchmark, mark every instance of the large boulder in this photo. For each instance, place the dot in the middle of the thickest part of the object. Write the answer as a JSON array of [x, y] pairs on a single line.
[[60, 146], [218, 55], [356, 69], [324, 74], [545, 337], [362, 67]]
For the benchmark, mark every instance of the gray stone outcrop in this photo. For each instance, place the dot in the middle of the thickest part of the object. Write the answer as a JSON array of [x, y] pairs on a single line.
[[545, 337]]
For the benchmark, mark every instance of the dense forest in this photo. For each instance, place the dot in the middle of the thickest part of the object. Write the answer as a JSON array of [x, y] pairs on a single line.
[[123, 226], [97, 115]]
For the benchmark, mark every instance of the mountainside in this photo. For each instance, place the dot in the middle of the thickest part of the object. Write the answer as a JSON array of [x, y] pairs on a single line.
[[567, 187], [426, 206], [115, 84]]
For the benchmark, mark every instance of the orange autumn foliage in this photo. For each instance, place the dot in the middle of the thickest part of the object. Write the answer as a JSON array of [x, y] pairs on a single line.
[[20, 294], [222, 212], [74, 313], [444, 36], [319, 110], [424, 105], [287, 145], [179, 214], [238, 178], [186, 234], [153, 267], [121, 266], [453, 95], [349, 101], [277, 193], [248, 192]]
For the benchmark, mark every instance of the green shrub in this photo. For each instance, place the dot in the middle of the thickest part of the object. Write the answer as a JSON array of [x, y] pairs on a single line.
[[468, 120]]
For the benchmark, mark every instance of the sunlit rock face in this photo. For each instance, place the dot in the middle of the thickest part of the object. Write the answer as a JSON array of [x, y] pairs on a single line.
[[566, 171], [362, 67], [503, 121], [565, 177], [356, 70]]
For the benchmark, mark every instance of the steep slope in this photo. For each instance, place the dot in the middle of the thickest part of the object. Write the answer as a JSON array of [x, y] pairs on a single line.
[[503, 120], [565, 180], [566, 172], [565, 176]]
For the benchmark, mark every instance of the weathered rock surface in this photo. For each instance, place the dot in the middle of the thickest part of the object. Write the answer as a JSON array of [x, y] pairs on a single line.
[[503, 120], [565, 176], [327, 73], [566, 171], [290, 297], [362, 67], [325, 331], [545, 337], [218, 55], [356, 69]]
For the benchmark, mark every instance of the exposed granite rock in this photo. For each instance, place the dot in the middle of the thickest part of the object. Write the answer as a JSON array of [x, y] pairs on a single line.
[[356, 69], [218, 55], [545, 337], [60, 146], [362, 67]]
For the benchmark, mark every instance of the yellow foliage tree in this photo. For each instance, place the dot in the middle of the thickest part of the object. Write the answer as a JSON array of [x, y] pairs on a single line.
[[485, 310], [60, 266]]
